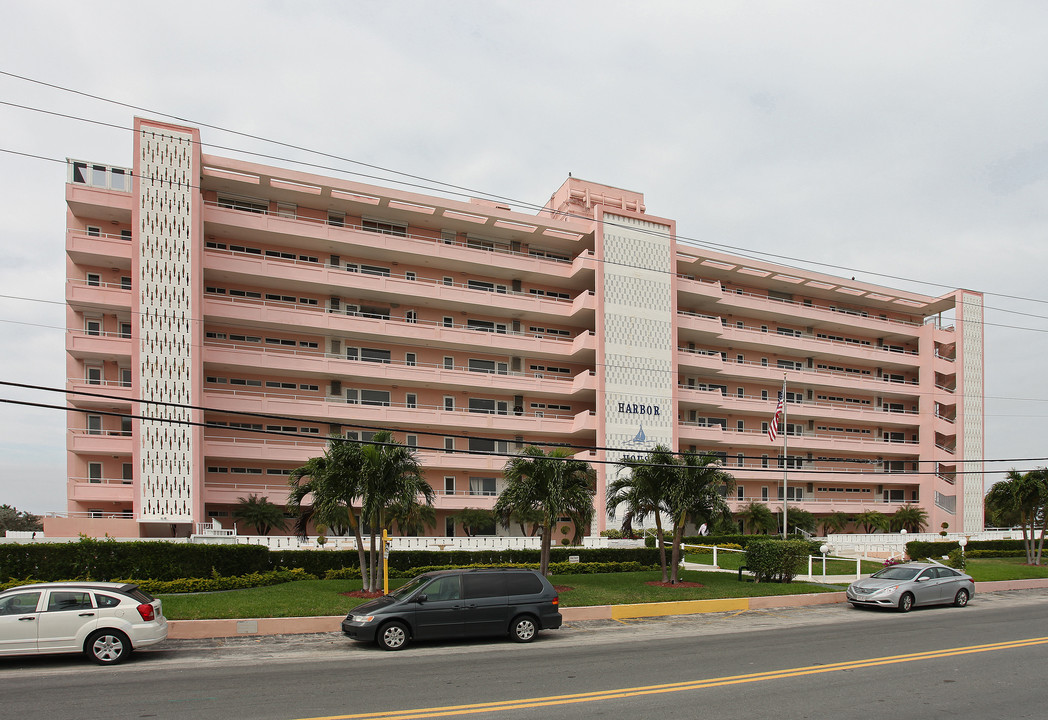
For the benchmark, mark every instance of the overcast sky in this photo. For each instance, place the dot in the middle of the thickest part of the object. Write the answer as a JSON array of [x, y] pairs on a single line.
[[901, 141]]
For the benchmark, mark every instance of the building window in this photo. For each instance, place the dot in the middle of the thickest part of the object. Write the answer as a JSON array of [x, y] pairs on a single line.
[[336, 219], [411, 316], [94, 279], [410, 275], [449, 444], [449, 485], [386, 228], [94, 472], [125, 283], [94, 424], [127, 473], [449, 363], [125, 330], [410, 359], [411, 441], [449, 403], [93, 374], [411, 400], [449, 280], [125, 426], [93, 326], [764, 494], [448, 321], [125, 377]]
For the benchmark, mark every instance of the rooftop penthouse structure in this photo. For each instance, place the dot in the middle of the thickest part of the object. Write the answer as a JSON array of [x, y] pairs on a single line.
[[225, 317]]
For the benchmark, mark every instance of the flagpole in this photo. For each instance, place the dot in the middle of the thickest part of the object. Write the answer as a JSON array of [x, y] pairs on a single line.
[[785, 459]]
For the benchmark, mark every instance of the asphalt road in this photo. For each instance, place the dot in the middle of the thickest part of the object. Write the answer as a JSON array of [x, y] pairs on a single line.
[[986, 660]]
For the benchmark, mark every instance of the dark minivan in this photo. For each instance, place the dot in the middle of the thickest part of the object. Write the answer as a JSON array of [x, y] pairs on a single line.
[[458, 603]]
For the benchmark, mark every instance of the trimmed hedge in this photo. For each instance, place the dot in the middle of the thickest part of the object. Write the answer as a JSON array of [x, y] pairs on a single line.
[[741, 540], [996, 548], [209, 584], [108, 560], [560, 568], [776, 560], [164, 561]]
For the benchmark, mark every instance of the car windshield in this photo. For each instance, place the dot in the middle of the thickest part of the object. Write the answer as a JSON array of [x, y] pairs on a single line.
[[409, 587], [896, 573]]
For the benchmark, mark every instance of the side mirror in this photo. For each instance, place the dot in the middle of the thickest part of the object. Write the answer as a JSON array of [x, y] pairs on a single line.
[[923, 578], [421, 598]]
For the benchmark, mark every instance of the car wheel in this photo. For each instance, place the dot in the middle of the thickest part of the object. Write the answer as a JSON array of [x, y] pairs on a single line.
[[961, 598], [906, 603], [107, 647], [523, 629], [393, 636]]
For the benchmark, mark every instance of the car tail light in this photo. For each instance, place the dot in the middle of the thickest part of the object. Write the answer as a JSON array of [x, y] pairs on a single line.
[[556, 600], [146, 611]]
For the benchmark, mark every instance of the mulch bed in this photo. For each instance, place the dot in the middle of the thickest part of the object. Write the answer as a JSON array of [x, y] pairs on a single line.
[[362, 594]]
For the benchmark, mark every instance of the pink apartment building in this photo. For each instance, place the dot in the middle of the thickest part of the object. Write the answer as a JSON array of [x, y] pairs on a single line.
[[200, 288]]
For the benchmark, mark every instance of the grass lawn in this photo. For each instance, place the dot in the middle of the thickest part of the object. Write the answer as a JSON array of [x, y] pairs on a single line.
[[323, 597], [1013, 568]]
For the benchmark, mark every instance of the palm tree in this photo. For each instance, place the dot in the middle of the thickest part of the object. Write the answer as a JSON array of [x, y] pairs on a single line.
[[392, 479], [871, 521], [910, 517], [474, 520], [696, 495], [1024, 495], [529, 520], [556, 484], [757, 517], [836, 521], [259, 513], [643, 491], [333, 482], [797, 518], [412, 520]]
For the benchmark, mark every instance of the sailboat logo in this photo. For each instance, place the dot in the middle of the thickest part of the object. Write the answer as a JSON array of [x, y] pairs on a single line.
[[640, 437]]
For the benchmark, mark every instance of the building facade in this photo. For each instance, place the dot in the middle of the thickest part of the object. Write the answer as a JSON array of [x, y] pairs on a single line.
[[225, 317]]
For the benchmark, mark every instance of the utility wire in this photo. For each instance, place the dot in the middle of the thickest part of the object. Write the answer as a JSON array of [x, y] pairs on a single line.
[[747, 253]]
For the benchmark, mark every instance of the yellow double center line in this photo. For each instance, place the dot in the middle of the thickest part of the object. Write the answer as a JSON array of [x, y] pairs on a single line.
[[450, 710]]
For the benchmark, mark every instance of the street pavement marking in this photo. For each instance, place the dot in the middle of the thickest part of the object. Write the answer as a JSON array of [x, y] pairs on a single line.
[[599, 695]]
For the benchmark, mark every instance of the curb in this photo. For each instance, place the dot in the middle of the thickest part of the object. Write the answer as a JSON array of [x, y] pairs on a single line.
[[202, 629]]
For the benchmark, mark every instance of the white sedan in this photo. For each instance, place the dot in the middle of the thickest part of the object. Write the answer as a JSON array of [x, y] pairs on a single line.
[[105, 621]]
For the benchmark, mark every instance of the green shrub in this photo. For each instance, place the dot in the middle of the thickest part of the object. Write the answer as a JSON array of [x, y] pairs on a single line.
[[776, 560]]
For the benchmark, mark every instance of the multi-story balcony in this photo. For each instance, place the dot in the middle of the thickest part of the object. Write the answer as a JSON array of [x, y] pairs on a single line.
[[85, 490], [710, 364], [824, 315], [457, 378], [337, 410], [800, 344], [101, 346], [116, 393], [298, 228], [98, 250], [98, 296], [714, 401], [108, 442], [709, 436], [288, 316]]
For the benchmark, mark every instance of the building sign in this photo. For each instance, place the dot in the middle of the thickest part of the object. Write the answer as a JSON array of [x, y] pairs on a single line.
[[638, 409]]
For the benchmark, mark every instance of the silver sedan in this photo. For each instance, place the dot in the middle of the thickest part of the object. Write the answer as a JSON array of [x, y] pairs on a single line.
[[909, 584]]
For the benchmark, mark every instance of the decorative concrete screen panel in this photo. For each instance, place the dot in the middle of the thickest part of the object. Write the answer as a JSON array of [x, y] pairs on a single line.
[[165, 324], [638, 335], [972, 349]]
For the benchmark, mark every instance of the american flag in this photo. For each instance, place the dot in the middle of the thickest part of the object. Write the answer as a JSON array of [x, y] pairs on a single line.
[[773, 426]]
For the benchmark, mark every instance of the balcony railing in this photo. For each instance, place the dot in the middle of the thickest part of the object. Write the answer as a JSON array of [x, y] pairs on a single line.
[[817, 371], [320, 354], [483, 246], [805, 403], [805, 435], [283, 305], [829, 308], [253, 394], [808, 337]]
